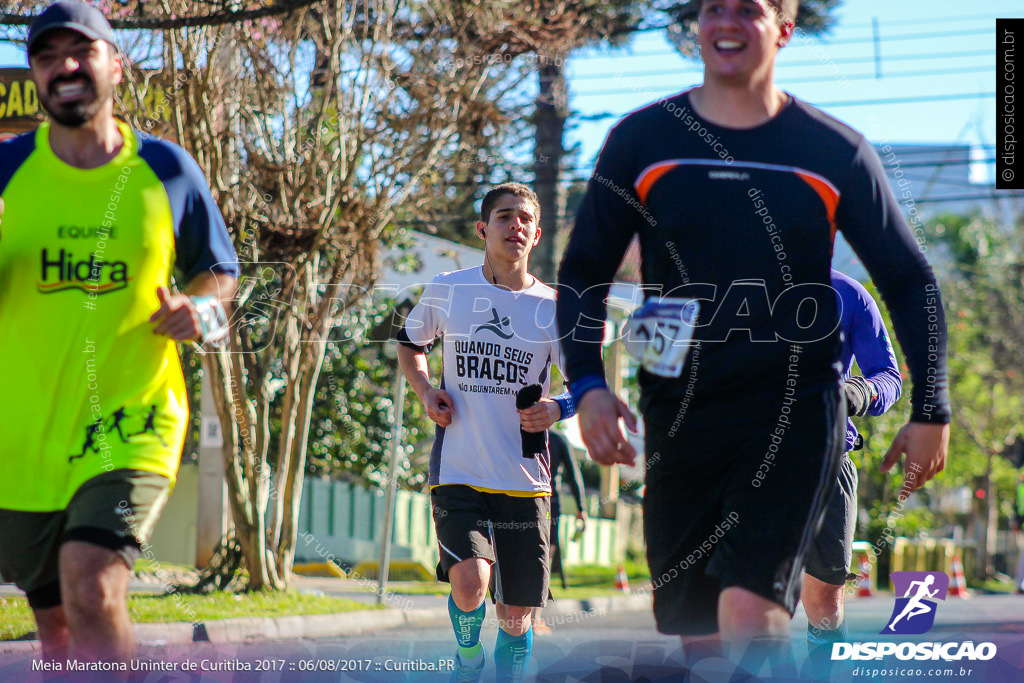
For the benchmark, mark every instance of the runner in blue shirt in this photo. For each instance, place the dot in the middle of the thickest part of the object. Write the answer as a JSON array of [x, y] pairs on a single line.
[[872, 392]]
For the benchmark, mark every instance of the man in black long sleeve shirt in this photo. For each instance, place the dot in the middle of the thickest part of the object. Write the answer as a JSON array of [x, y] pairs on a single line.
[[735, 190]]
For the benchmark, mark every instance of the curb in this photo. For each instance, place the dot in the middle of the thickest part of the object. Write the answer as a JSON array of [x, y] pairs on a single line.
[[248, 629]]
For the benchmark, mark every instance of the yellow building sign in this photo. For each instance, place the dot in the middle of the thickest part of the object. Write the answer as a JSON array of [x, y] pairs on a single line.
[[18, 98], [19, 103], [20, 111]]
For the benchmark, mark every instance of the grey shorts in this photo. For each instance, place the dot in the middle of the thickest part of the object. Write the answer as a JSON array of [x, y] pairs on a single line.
[[116, 510], [831, 553]]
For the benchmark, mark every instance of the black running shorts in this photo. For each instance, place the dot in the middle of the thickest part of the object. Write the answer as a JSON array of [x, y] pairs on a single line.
[[512, 533], [734, 498]]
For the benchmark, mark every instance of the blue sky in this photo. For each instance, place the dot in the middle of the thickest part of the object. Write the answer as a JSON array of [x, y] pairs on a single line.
[[928, 50]]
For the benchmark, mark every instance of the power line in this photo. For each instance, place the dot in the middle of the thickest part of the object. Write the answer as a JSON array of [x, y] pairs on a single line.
[[811, 62], [823, 42], [918, 22], [1003, 194], [841, 103], [908, 100], [895, 74], [819, 79], [912, 36]]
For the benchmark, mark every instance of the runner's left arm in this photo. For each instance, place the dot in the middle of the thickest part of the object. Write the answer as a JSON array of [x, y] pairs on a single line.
[[610, 214], [873, 351], [204, 254], [870, 219]]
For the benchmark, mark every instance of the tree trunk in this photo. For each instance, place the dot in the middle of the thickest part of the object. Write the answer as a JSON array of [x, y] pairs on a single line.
[[247, 483], [292, 492], [552, 109], [292, 374], [991, 520]]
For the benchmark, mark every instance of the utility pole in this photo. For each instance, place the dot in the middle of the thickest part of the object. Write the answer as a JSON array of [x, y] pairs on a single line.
[[212, 490]]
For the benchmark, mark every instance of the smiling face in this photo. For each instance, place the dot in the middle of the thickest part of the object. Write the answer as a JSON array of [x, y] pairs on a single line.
[[511, 230], [74, 76], [739, 39]]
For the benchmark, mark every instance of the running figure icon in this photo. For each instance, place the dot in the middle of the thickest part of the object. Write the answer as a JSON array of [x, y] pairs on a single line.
[[915, 606], [920, 592]]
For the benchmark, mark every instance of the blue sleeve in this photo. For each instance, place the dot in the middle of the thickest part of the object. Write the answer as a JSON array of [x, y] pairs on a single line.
[[13, 154], [873, 350], [201, 238]]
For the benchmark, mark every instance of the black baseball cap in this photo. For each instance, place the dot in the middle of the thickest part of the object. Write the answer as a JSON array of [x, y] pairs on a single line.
[[74, 16]]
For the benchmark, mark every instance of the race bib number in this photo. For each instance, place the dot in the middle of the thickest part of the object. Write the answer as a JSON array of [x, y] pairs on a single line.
[[658, 334]]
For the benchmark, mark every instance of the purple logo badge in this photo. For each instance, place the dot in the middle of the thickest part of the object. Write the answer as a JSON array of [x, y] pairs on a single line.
[[916, 593]]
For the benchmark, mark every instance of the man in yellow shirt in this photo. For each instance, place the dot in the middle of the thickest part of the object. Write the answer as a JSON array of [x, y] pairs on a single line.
[[97, 217]]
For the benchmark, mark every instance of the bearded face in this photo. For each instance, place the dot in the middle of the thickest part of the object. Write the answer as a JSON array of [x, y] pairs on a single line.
[[75, 77]]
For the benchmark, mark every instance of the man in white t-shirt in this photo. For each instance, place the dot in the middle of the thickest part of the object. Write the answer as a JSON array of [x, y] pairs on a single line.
[[490, 476]]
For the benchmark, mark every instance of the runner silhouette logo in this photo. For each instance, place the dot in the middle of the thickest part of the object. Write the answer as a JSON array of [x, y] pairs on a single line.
[[914, 612], [495, 325]]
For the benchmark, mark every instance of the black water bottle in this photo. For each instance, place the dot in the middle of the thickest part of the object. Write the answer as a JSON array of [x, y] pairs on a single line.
[[534, 444]]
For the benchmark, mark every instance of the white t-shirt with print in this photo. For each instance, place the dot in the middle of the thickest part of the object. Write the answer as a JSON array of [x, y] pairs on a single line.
[[493, 343]]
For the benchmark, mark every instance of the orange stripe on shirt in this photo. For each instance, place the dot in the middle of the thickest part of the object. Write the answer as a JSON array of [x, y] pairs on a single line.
[[647, 180], [828, 195]]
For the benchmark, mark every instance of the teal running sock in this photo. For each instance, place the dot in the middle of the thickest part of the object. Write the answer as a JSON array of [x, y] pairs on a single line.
[[511, 655], [822, 636], [467, 627], [818, 666]]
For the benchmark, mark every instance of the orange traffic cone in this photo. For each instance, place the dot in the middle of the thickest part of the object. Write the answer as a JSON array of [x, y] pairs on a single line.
[[621, 581], [958, 585], [864, 579]]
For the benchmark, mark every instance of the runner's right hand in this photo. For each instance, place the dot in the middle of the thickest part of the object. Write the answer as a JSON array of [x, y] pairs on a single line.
[[926, 446], [439, 405], [599, 412]]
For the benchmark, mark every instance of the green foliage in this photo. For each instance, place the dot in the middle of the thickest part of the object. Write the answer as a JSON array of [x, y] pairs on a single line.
[[979, 265], [909, 522], [984, 308], [351, 431]]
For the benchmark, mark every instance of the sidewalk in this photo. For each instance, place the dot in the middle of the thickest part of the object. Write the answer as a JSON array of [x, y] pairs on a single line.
[[401, 610]]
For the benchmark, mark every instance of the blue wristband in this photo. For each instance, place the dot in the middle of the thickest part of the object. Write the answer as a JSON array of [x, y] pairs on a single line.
[[565, 402], [584, 384]]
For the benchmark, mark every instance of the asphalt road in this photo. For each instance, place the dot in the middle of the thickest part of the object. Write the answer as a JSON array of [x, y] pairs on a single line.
[[610, 647]]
